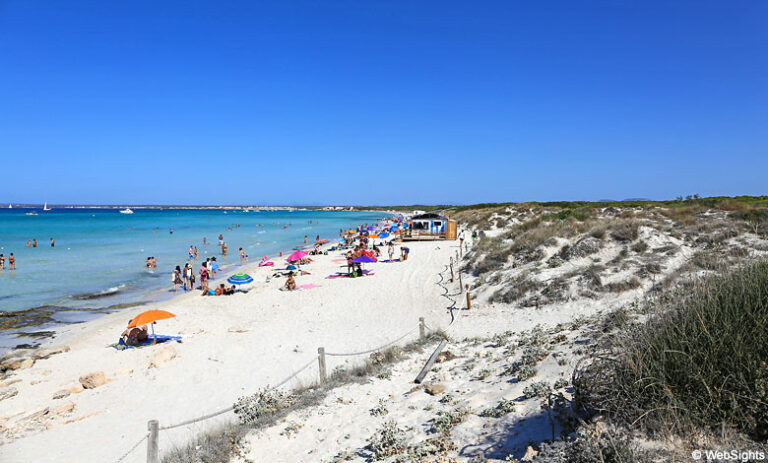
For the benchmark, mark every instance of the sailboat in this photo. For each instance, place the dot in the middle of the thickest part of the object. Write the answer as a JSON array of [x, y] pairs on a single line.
[[45, 207], [10, 206]]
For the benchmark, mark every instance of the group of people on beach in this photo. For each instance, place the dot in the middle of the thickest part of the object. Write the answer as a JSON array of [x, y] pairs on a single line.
[[186, 277]]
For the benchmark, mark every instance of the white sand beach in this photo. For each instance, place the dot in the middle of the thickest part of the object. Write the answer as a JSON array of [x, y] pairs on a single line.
[[231, 346]]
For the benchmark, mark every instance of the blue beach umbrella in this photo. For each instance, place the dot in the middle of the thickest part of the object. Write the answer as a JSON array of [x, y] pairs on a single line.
[[240, 279], [363, 260], [371, 228], [383, 235], [393, 228]]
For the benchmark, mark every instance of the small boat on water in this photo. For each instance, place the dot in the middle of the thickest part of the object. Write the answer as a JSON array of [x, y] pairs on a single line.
[[31, 213], [127, 210], [45, 207], [10, 207]]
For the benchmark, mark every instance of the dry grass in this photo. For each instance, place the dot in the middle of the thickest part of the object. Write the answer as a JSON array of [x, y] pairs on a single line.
[[221, 444], [699, 364]]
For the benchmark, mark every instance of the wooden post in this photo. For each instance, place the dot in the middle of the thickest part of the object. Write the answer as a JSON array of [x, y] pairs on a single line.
[[422, 328], [152, 444], [321, 364], [461, 287], [451, 272], [430, 362], [469, 303]]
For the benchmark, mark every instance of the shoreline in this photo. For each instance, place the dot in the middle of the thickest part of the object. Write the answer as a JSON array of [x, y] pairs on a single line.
[[19, 333], [231, 345]]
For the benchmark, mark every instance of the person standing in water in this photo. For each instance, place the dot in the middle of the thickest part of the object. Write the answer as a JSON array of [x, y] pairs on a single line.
[[2, 261], [53, 243], [34, 242], [221, 239], [11, 262], [243, 257], [223, 249], [29, 243]]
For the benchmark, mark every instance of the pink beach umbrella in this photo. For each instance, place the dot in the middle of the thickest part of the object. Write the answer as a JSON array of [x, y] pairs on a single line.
[[296, 256]]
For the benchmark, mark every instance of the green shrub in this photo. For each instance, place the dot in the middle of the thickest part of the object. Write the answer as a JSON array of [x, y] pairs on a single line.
[[699, 363]]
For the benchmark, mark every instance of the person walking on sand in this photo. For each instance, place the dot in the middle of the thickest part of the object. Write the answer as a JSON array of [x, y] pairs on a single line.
[[243, 257], [391, 249], [176, 278], [204, 277], [11, 262]]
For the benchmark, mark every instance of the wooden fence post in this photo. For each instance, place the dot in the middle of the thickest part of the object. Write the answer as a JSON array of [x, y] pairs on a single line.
[[461, 287], [152, 444], [451, 272], [422, 328], [321, 364], [469, 303]]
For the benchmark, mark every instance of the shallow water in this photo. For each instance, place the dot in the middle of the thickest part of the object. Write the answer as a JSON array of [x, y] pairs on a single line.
[[99, 254]]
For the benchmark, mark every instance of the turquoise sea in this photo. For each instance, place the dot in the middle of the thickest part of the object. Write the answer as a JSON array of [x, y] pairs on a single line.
[[99, 256]]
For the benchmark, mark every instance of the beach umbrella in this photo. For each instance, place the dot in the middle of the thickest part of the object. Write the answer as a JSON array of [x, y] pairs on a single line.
[[296, 256], [351, 232], [146, 318], [240, 279], [393, 228], [373, 236], [371, 228], [149, 316], [363, 260], [383, 235]]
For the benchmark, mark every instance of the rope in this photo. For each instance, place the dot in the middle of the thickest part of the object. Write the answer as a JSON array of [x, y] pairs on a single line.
[[231, 407], [132, 448], [350, 354], [295, 373], [195, 420]]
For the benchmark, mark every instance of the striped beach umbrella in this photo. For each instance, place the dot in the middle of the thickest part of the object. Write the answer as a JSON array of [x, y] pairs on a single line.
[[240, 279]]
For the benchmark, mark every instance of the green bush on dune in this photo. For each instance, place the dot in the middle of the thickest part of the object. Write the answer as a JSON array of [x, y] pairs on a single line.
[[699, 364]]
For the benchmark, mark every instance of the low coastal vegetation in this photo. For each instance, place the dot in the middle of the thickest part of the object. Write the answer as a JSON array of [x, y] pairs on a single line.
[[658, 347]]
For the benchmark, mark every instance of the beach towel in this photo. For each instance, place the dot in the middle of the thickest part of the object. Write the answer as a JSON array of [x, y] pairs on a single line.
[[389, 261], [344, 275], [308, 286], [160, 338], [339, 261]]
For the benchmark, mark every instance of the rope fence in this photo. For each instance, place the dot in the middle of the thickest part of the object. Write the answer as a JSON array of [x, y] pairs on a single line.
[[152, 436]]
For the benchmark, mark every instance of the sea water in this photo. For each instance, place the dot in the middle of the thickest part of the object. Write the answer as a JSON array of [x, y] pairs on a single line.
[[99, 255]]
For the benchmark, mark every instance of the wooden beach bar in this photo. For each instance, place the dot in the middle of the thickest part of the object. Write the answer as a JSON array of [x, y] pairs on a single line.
[[429, 226]]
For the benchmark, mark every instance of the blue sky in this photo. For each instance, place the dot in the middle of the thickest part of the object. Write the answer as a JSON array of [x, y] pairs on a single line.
[[377, 102]]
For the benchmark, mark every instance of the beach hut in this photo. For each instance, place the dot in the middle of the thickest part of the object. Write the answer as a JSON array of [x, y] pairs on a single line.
[[430, 226]]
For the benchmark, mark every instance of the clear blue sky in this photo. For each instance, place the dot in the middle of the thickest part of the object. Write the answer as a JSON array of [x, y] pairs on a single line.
[[381, 102]]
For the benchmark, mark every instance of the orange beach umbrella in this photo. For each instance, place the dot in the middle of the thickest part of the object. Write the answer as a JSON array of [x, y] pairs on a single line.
[[149, 316]]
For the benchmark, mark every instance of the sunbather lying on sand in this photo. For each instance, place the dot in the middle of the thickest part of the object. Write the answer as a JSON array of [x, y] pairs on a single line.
[[135, 336]]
